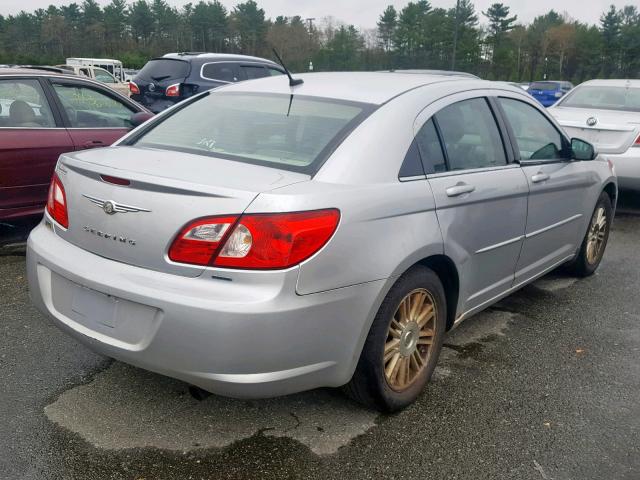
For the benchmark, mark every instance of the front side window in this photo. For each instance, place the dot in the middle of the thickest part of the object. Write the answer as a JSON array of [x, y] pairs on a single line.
[[104, 76], [291, 132], [88, 108], [536, 136], [24, 105], [470, 135], [604, 97], [220, 71]]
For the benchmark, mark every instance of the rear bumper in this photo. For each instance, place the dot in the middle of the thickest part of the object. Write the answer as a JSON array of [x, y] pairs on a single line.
[[254, 338], [627, 167]]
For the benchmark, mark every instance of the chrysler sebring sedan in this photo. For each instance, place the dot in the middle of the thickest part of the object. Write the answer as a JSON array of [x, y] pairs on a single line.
[[263, 239]]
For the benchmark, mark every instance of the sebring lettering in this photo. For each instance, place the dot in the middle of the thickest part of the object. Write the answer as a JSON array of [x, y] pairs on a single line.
[[109, 236]]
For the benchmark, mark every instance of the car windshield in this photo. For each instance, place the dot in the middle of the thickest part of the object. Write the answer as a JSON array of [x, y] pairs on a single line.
[[291, 132], [606, 98], [544, 86], [164, 68]]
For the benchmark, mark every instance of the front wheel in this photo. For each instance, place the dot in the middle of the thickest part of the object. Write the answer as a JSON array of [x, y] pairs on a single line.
[[403, 345], [595, 240]]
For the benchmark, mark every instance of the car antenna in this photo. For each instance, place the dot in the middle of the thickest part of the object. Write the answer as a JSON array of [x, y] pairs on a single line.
[[292, 81]]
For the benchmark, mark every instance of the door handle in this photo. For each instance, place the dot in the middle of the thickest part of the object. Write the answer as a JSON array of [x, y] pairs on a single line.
[[540, 177], [459, 189], [93, 144]]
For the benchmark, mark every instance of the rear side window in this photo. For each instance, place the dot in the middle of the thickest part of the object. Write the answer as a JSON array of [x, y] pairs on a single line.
[[291, 132], [470, 135], [227, 72], [161, 69], [430, 149], [536, 136], [23, 105], [88, 108], [255, 71]]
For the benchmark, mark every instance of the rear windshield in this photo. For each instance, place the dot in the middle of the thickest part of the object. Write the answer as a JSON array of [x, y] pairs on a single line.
[[544, 86], [605, 98], [291, 132], [164, 69]]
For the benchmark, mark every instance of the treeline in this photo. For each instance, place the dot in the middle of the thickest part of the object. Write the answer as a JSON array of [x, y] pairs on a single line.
[[492, 43]]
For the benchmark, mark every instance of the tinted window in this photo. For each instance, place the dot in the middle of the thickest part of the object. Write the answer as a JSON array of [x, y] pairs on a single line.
[[164, 69], [220, 71], [536, 136], [89, 108], [274, 71], [430, 149], [411, 166], [253, 71], [23, 105], [606, 98], [470, 135], [290, 132]]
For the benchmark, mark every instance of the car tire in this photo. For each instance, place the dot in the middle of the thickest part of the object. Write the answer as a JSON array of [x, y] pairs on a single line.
[[408, 332], [595, 240]]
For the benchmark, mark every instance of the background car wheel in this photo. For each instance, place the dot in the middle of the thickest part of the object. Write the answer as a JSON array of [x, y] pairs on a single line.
[[404, 343], [595, 240]]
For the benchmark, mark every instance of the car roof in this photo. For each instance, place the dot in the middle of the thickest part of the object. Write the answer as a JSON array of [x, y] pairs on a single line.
[[215, 56], [434, 72], [614, 82], [363, 87], [29, 71]]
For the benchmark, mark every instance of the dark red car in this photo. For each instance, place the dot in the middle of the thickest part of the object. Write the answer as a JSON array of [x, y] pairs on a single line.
[[44, 114]]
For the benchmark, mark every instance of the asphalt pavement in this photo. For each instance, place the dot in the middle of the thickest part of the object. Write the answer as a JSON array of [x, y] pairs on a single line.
[[544, 385]]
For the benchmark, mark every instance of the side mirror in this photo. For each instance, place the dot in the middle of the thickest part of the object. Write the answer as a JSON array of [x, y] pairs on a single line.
[[581, 150], [139, 118]]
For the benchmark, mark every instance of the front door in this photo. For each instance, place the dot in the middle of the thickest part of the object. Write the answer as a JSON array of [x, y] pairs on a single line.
[[95, 118], [30, 144], [481, 198], [558, 189]]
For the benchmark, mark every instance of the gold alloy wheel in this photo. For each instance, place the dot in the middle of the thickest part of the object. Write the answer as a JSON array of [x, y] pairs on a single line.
[[409, 339], [596, 235]]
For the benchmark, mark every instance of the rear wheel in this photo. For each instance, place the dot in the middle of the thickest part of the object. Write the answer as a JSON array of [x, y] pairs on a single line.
[[595, 240], [403, 344]]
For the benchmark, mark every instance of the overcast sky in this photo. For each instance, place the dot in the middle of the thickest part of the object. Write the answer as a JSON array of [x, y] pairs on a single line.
[[364, 13]]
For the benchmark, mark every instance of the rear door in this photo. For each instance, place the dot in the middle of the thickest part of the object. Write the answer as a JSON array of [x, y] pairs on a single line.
[[559, 188], [94, 116], [481, 197], [31, 139]]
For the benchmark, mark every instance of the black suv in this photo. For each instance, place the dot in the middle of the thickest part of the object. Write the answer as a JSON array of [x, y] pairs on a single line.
[[167, 80]]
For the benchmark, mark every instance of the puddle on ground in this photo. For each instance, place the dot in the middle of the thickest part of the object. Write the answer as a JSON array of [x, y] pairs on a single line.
[[125, 407], [552, 283]]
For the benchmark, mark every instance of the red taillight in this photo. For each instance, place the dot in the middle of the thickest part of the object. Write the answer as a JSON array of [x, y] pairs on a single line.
[[115, 180], [133, 88], [173, 90], [57, 202], [637, 142], [255, 241]]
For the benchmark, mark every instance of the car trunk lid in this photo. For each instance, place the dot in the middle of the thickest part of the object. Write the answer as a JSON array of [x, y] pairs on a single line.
[[610, 131], [165, 191]]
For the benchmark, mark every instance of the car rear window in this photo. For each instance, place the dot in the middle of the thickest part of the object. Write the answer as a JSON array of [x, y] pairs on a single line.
[[606, 98], [291, 132], [543, 86], [164, 69]]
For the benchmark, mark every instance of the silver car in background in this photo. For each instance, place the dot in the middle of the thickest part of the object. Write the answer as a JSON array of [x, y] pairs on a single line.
[[607, 114], [263, 239]]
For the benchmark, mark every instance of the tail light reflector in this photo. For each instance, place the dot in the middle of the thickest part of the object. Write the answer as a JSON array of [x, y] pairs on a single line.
[[57, 202], [637, 142], [173, 90], [133, 88], [255, 241]]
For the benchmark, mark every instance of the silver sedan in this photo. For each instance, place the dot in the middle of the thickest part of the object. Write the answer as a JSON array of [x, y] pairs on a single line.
[[267, 238], [607, 113]]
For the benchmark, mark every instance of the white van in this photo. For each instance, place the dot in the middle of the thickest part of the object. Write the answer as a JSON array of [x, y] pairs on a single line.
[[100, 75], [114, 67]]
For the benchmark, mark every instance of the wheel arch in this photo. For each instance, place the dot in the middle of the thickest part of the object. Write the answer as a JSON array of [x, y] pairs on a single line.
[[447, 272], [611, 190]]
